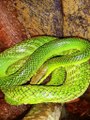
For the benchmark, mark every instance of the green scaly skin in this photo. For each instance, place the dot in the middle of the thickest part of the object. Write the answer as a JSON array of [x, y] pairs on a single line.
[[49, 52]]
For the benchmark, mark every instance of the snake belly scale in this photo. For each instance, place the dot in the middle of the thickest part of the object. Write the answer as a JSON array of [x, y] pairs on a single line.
[[21, 63]]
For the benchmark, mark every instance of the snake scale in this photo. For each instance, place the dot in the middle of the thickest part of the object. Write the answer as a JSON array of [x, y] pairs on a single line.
[[25, 66]]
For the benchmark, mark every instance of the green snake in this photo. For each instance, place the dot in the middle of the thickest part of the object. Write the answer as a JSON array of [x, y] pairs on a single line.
[[26, 66]]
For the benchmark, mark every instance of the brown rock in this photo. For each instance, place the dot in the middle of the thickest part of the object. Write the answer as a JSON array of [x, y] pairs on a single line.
[[1, 95], [11, 30], [76, 18], [40, 17], [8, 112]]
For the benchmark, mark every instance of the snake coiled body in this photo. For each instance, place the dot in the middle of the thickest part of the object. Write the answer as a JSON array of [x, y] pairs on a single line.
[[66, 60]]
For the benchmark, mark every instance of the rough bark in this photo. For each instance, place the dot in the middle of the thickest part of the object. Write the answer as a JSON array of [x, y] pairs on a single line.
[[44, 112]]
